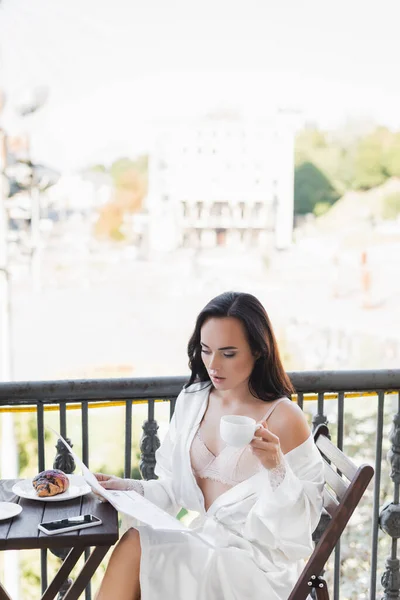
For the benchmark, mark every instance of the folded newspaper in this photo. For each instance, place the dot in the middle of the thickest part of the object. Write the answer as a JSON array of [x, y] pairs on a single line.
[[129, 502]]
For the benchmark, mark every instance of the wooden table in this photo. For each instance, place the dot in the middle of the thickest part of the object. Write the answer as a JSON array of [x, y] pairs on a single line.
[[21, 533]]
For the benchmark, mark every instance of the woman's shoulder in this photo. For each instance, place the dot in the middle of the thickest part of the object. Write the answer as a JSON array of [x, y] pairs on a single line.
[[289, 423], [192, 395], [198, 387]]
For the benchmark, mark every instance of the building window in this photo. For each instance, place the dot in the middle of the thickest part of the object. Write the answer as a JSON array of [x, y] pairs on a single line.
[[257, 210], [216, 209]]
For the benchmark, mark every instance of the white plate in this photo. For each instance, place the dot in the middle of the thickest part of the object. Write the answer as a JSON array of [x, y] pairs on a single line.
[[8, 510], [77, 487]]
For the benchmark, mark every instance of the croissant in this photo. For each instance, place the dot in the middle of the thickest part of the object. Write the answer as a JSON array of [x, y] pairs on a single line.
[[50, 483]]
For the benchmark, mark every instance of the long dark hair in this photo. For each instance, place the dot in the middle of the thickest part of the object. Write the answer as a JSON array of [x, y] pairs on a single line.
[[268, 379]]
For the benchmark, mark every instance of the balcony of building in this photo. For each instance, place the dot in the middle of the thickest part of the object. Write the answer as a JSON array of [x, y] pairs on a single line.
[[361, 409]]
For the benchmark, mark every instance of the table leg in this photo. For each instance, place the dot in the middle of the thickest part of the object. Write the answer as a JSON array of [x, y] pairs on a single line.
[[70, 561], [3, 594], [86, 573]]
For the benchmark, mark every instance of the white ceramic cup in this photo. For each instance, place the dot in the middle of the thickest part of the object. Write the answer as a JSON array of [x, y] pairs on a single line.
[[237, 430]]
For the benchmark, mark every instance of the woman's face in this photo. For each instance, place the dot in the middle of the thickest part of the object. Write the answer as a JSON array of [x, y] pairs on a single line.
[[226, 352]]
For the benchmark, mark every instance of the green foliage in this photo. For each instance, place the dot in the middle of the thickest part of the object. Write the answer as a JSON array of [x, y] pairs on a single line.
[[329, 155], [369, 167], [321, 208], [125, 169], [311, 187], [309, 142], [391, 157], [130, 188], [119, 168], [98, 169], [391, 206], [346, 162]]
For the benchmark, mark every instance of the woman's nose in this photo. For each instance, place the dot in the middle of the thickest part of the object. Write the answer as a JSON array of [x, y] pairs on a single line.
[[213, 364]]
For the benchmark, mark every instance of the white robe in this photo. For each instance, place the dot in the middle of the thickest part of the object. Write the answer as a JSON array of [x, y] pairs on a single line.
[[261, 535]]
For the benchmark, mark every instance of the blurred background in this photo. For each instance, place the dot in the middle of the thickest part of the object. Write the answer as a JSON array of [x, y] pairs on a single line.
[[159, 154], [156, 154]]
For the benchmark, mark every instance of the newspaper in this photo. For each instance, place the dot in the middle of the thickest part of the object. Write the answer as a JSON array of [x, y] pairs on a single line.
[[129, 502]]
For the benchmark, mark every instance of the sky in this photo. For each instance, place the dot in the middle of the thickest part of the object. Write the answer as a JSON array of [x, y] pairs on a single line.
[[114, 69]]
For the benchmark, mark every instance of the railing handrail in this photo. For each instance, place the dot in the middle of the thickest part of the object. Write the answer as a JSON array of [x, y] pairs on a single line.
[[169, 387]]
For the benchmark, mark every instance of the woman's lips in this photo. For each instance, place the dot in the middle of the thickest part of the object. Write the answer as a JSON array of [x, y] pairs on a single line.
[[217, 379]]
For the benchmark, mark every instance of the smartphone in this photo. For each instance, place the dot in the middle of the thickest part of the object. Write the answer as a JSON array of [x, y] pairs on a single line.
[[70, 524]]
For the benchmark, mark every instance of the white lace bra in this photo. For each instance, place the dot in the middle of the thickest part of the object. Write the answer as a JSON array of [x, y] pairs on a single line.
[[232, 465]]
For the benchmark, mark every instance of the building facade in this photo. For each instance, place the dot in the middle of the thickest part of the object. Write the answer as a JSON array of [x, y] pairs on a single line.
[[222, 181]]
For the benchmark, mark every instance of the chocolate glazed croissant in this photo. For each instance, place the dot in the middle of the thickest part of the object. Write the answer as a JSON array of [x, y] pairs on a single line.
[[50, 483]]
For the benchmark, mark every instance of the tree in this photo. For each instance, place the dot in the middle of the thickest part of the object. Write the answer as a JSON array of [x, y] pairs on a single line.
[[309, 143], [98, 168], [391, 157], [130, 183], [391, 206], [331, 154], [311, 187], [369, 167]]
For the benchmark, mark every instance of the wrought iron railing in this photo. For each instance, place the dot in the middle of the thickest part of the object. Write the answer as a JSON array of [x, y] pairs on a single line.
[[329, 396]]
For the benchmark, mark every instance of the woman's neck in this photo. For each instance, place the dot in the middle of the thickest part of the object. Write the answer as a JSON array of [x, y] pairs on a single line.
[[237, 396]]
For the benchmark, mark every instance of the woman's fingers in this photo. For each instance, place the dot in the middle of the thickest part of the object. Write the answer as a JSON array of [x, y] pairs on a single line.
[[265, 434], [113, 483], [262, 444], [102, 477]]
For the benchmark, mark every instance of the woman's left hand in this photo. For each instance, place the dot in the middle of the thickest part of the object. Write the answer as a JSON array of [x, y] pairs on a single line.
[[266, 447]]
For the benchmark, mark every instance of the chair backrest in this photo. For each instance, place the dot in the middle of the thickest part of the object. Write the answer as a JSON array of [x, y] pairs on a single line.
[[345, 484]]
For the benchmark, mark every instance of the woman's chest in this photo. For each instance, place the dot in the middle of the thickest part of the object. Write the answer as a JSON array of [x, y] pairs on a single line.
[[209, 428]]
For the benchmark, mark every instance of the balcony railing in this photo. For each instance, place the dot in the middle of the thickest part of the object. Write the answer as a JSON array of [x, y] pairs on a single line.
[[359, 406]]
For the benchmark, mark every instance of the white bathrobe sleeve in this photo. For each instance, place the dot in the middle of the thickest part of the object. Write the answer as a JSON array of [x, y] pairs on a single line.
[[284, 518], [160, 491]]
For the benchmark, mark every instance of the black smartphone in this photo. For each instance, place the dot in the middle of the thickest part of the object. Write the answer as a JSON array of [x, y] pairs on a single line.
[[69, 524]]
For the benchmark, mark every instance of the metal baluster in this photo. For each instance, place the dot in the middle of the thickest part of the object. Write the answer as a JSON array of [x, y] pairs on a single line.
[[40, 432], [340, 426], [389, 518], [325, 518], [65, 462], [85, 432], [339, 443], [85, 459], [149, 443], [319, 417], [128, 439], [300, 400], [63, 419], [377, 485], [41, 462]]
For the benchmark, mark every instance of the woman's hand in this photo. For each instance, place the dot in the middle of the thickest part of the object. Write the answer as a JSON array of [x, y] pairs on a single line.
[[111, 482], [267, 448]]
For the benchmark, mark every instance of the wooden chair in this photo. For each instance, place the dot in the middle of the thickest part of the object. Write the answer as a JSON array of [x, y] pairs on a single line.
[[340, 499]]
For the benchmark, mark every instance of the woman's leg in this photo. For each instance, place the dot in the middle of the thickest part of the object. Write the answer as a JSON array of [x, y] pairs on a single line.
[[121, 579]]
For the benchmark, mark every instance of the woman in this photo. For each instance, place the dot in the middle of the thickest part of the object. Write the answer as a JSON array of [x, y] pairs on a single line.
[[257, 506]]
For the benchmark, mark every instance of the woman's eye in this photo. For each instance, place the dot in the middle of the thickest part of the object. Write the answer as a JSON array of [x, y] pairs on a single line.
[[205, 351], [230, 355]]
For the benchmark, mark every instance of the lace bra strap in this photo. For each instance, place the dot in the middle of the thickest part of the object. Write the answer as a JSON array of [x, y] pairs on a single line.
[[272, 408]]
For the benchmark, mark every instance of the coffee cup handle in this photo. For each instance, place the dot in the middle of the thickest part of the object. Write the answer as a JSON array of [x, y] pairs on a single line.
[[258, 425]]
